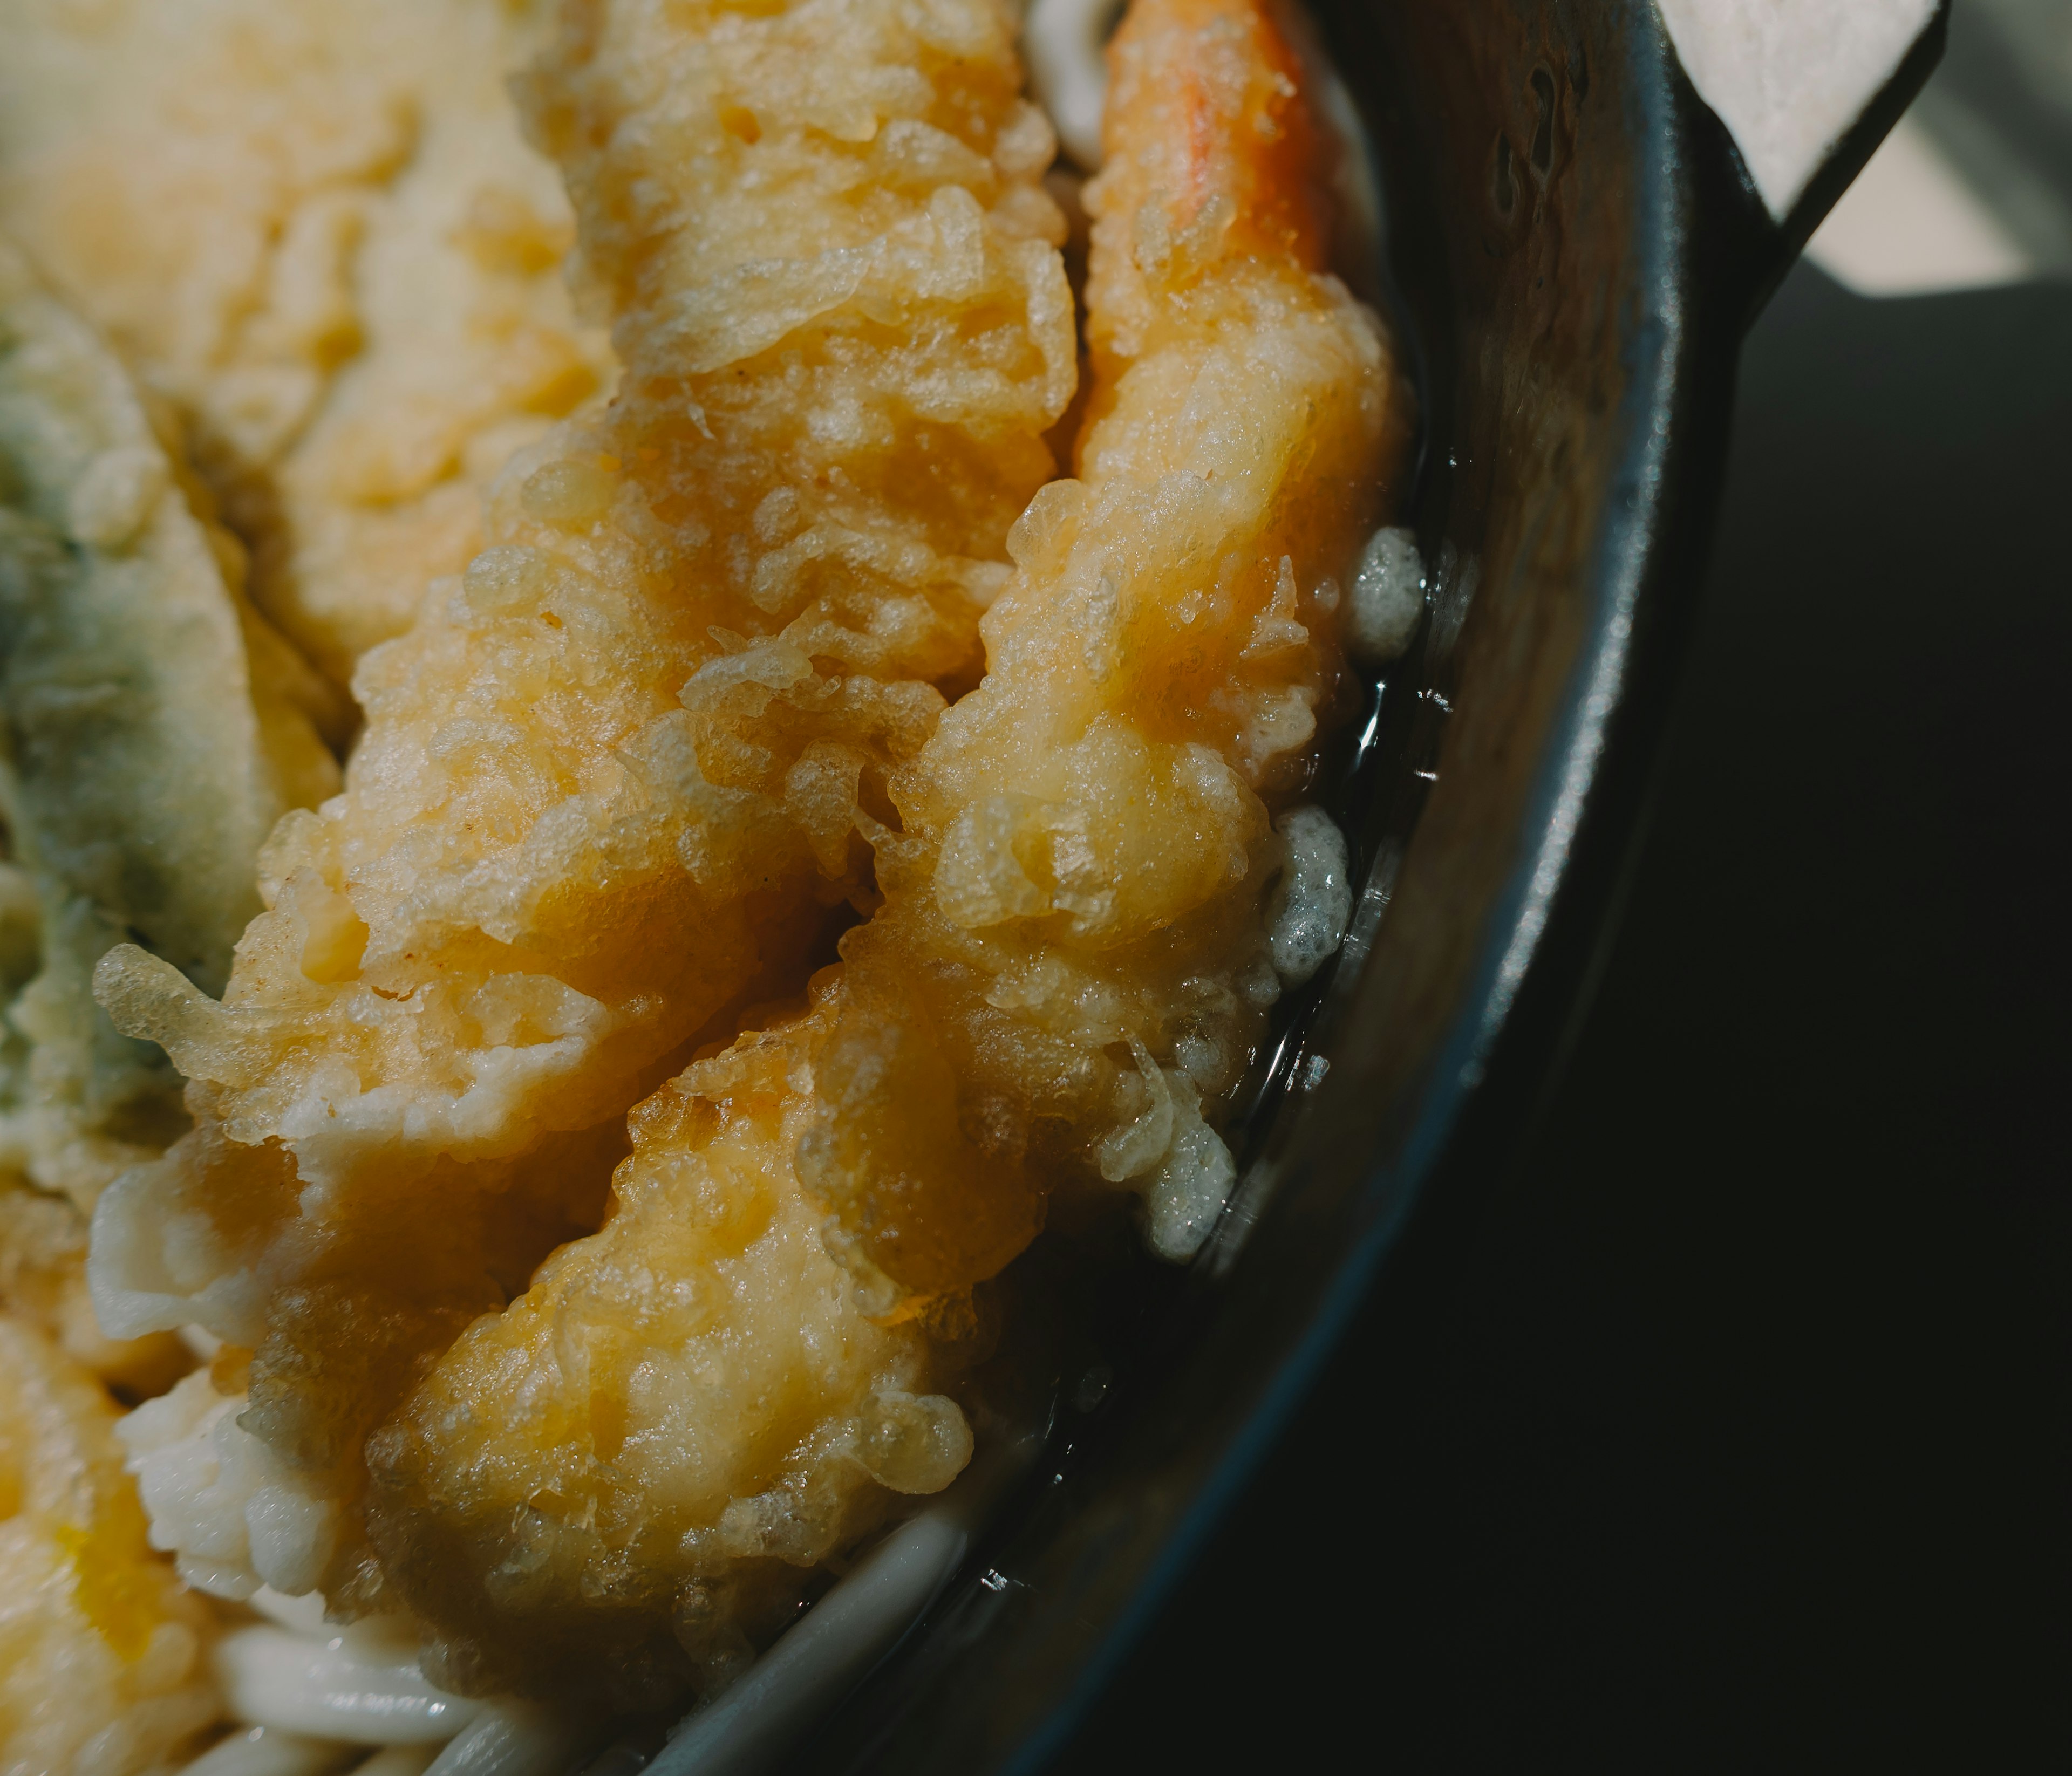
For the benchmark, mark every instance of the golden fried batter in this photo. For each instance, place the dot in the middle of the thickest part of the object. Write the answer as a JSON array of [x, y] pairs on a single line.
[[100, 1665], [1077, 945], [1073, 959], [613, 780], [626, 1479], [315, 227]]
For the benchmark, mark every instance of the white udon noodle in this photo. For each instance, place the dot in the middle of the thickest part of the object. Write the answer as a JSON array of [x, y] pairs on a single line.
[[307, 1698]]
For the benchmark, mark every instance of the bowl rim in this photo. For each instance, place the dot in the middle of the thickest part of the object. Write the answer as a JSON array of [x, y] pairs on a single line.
[[1710, 255]]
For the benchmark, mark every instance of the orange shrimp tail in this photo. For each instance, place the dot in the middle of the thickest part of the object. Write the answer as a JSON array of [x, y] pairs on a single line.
[[1212, 153]]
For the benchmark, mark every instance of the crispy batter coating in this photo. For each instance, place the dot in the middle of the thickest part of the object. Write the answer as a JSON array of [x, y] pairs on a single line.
[[1078, 938], [101, 1666], [625, 1480], [152, 729], [613, 781], [1079, 934], [317, 229]]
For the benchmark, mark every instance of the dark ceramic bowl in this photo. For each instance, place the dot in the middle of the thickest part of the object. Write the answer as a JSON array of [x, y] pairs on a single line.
[[1576, 251]]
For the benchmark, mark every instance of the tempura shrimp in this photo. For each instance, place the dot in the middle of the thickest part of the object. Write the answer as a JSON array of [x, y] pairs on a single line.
[[645, 1455], [617, 778]]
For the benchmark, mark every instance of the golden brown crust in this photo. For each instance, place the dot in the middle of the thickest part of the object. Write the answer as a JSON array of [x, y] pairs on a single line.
[[1069, 965], [616, 781]]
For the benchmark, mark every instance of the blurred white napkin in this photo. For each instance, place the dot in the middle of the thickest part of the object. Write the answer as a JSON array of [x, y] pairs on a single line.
[[1788, 77]]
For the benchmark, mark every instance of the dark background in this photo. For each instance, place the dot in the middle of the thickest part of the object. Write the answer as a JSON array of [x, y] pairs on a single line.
[[1728, 1432]]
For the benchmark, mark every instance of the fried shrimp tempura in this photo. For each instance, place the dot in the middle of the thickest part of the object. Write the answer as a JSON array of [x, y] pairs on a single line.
[[616, 776], [1090, 906], [703, 1415], [101, 1666], [1079, 936], [314, 226]]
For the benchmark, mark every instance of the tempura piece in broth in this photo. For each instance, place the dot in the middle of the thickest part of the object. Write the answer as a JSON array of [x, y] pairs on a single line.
[[153, 731], [614, 781], [626, 1480], [1088, 906], [100, 1651], [316, 228], [1091, 904]]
